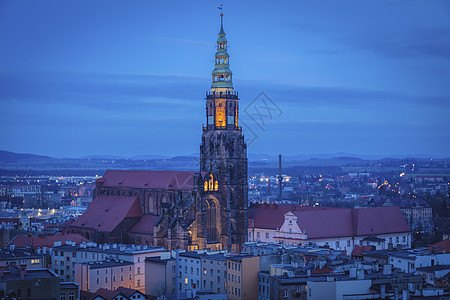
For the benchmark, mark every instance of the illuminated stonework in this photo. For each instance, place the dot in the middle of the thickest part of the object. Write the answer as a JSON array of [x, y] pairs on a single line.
[[221, 218]]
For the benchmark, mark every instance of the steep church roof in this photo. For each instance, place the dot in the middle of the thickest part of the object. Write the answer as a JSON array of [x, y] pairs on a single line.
[[145, 224], [105, 213], [167, 180]]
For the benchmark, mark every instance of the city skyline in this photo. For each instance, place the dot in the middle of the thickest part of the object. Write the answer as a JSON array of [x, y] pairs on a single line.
[[129, 79]]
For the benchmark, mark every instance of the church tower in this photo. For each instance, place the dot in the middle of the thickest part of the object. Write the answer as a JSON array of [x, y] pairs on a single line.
[[223, 159]]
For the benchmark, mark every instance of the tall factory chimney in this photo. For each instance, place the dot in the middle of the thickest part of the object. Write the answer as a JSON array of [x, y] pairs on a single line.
[[280, 178]]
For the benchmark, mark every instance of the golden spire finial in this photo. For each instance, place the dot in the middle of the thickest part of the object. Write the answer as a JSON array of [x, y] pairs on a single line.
[[221, 19]]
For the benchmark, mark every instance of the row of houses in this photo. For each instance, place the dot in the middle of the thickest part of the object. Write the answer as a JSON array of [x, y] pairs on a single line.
[[260, 271]]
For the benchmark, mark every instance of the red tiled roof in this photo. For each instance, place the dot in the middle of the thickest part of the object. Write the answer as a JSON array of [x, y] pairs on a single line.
[[359, 250], [46, 241], [324, 270], [145, 224], [106, 294], [379, 220], [441, 247], [127, 292], [325, 222], [172, 180], [105, 213], [271, 216], [320, 222], [9, 220]]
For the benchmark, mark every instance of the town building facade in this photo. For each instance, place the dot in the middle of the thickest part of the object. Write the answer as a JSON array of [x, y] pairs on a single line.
[[66, 257], [337, 228]]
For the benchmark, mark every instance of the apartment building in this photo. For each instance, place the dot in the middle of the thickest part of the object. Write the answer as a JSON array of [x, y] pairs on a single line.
[[25, 257], [65, 258], [108, 274], [242, 277]]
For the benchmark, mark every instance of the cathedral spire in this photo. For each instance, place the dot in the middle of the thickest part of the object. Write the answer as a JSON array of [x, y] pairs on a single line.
[[221, 24], [221, 75], [221, 20]]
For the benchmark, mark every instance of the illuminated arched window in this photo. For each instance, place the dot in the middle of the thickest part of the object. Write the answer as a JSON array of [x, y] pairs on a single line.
[[216, 185], [211, 182], [206, 186]]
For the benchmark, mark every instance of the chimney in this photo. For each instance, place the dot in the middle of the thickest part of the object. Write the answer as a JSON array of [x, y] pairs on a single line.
[[383, 291], [322, 264], [405, 295], [3, 269], [23, 271], [387, 270], [376, 267], [280, 178], [390, 246], [360, 274]]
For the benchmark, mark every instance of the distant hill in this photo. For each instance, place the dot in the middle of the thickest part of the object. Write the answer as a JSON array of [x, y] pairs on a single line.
[[102, 157], [11, 157]]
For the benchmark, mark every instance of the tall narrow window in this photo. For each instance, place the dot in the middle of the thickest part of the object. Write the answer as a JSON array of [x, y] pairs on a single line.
[[212, 220]]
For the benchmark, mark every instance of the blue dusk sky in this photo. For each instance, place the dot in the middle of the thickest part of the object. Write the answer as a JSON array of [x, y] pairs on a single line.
[[126, 78]]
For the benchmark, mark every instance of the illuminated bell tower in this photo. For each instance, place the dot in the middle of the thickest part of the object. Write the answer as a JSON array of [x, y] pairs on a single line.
[[223, 156]]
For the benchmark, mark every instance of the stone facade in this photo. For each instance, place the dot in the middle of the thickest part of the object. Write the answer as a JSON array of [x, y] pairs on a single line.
[[222, 212], [184, 210]]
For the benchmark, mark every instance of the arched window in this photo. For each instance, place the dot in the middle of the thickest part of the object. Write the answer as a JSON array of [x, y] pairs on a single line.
[[213, 219], [211, 182]]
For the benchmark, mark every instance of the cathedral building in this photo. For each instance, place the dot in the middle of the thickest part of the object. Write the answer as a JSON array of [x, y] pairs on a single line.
[[207, 209]]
